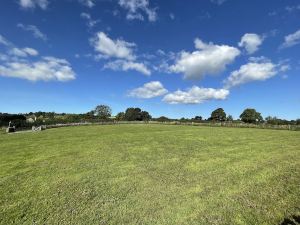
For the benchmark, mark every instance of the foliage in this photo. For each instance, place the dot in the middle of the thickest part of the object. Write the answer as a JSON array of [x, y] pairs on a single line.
[[218, 115], [120, 116], [162, 119], [197, 118], [229, 118], [102, 111], [16, 119], [133, 114], [251, 116]]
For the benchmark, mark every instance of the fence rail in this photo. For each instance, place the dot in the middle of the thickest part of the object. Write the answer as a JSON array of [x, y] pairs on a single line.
[[223, 124]]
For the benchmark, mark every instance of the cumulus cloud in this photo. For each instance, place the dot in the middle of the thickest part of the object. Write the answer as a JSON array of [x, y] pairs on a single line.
[[291, 40], [135, 9], [88, 3], [34, 30], [124, 65], [196, 95], [18, 63], [148, 90], [253, 71], [251, 42], [108, 47], [31, 4], [49, 68], [208, 59]]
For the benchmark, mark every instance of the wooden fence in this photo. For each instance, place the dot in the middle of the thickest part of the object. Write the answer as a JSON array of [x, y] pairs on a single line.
[[209, 124]]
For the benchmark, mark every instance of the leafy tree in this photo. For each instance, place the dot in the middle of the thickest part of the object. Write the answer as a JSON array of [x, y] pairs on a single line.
[[251, 116], [120, 116], [163, 119], [145, 116], [218, 115], [132, 114], [229, 118], [197, 118], [102, 111]]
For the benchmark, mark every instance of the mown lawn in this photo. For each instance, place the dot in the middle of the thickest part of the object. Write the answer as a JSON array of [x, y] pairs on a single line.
[[149, 174]]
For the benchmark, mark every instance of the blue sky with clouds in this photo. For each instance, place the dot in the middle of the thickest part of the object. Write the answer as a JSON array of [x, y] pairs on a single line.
[[173, 58]]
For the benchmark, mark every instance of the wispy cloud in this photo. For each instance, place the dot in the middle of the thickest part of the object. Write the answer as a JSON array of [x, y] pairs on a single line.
[[34, 31]]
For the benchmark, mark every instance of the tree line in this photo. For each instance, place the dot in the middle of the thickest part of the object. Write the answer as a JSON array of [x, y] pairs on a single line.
[[104, 113]]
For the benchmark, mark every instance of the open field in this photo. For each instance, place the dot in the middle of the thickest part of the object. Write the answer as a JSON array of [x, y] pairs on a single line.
[[150, 174]]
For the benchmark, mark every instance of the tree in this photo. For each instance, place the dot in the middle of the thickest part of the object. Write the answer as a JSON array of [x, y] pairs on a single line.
[[120, 116], [103, 111], [145, 116], [218, 115], [229, 118], [132, 114], [197, 118], [251, 116], [163, 119]]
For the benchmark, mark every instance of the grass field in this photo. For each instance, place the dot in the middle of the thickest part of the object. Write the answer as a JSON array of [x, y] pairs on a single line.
[[149, 174]]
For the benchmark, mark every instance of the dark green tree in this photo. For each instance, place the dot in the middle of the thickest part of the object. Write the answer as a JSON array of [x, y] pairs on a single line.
[[120, 116], [163, 119], [251, 116], [102, 111], [197, 118], [132, 114], [218, 115], [145, 116], [229, 118]]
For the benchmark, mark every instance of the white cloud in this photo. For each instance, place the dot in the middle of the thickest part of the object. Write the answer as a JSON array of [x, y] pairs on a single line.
[[49, 68], [88, 3], [33, 3], [251, 42], [253, 71], [218, 2], [18, 63], [128, 65], [24, 52], [195, 95], [291, 40], [3, 41], [90, 22], [34, 30], [208, 59], [113, 48], [148, 90], [135, 7]]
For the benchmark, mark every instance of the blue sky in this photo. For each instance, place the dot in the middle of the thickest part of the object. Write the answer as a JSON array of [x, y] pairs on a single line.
[[174, 58]]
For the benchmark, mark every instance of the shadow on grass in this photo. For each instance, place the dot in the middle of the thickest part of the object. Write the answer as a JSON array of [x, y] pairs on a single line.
[[294, 220]]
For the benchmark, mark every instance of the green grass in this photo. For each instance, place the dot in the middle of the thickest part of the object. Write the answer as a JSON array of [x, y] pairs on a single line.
[[149, 174]]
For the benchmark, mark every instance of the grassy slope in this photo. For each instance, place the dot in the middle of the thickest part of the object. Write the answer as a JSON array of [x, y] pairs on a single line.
[[149, 174]]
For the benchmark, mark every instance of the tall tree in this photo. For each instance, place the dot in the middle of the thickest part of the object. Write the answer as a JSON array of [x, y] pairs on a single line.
[[251, 116], [102, 111], [145, 116], [132, 114], [120, 116], [218, 115]]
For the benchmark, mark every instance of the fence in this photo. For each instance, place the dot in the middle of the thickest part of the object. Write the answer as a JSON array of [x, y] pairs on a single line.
[[209, 124]]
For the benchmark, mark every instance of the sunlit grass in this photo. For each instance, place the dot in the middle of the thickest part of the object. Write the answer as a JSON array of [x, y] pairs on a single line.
[[149, 174]]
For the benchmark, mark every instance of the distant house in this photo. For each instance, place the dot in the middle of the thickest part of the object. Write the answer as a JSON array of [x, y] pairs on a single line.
[[31, 119]]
